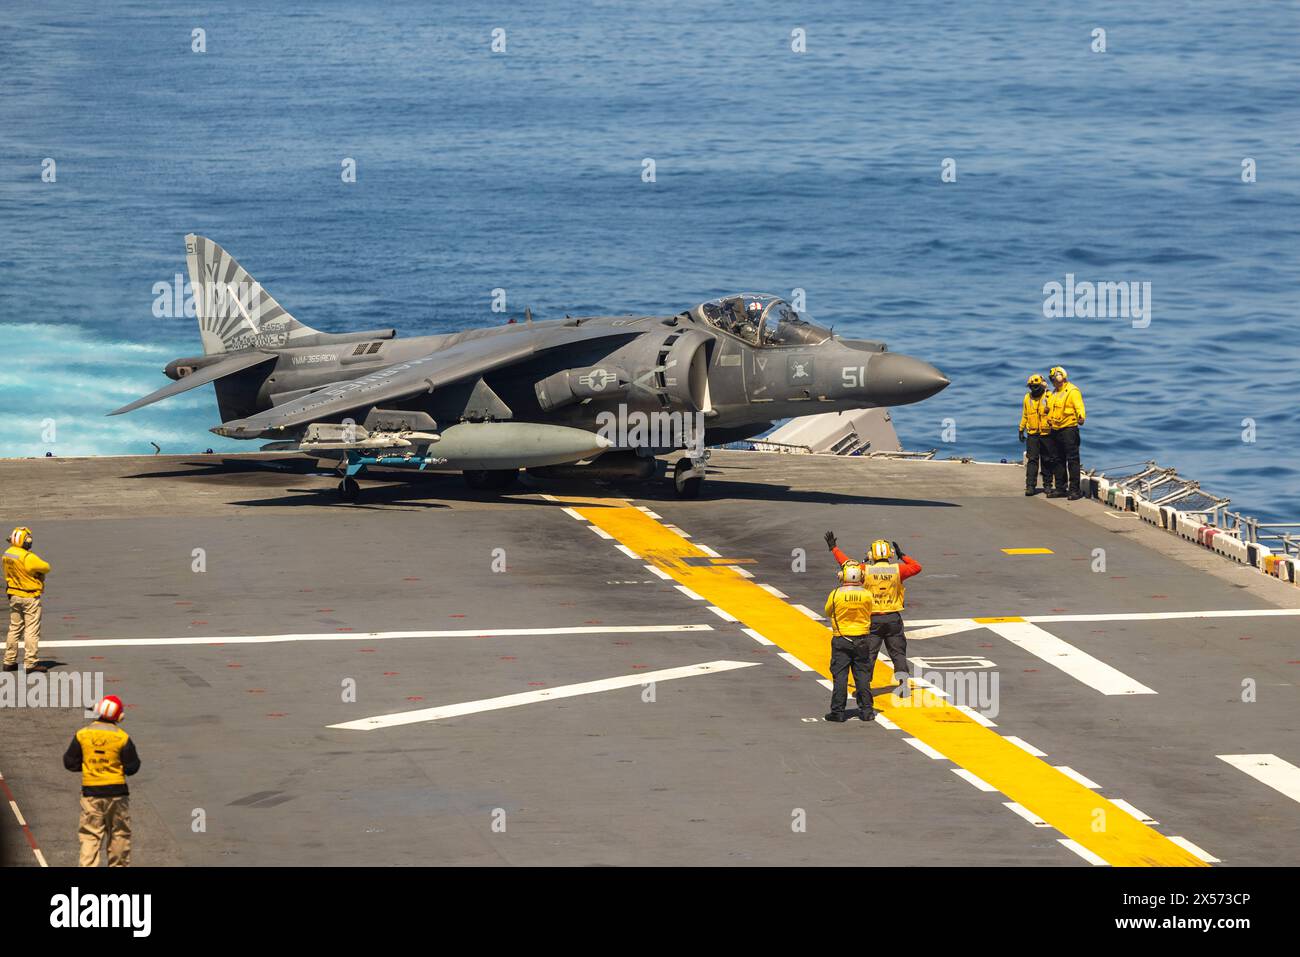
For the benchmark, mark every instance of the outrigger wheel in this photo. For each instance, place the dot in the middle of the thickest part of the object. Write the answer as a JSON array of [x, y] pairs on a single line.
[[349, 489], [688, 476]]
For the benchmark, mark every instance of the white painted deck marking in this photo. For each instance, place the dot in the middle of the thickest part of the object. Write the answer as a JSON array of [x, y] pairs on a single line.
[[625, 550], [1059, 653], [724, 615], [1127, 808], [794, 661], [1281, 776], [973, 779], [773, 590], [1024, 745], [809, 612], [600, 531], [1093, 859], [1082, 779], [975, 716], [757, 637], [693, 596], [1191, 848], [740, 571], [533, 697], [923, 747], [373, 636], [1024, 812], [1164, 615], [660, 572], [708, 551]]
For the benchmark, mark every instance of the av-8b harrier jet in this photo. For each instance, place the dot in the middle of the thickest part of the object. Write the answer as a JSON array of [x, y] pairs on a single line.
[[604, 393]]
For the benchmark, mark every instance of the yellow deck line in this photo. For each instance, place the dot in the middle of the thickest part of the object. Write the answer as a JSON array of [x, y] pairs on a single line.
[[1076, 811]]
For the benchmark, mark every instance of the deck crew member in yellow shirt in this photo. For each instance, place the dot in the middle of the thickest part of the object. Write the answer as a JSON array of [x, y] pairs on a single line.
[[1065, 414], [25, 573], [106, 756], [1036, 433], [849, 609]]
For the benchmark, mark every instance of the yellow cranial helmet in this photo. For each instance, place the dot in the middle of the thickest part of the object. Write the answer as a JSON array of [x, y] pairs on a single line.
[[851, 573], [880, 550], [1035, 379], [21, 536], [1057, 372]]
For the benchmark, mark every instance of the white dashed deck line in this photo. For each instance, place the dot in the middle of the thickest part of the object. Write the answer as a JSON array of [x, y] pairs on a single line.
[[693, 596], [924, 748], [971, 778], [1195, 851], [724, 615], [657, 571], [1024, 745], [708, 551], [930, 686], [639, 679], [773, 590], [740, 571], [1082, 779], [826, 683], [757, 637], [1093, 859], [572, 513], [677, 531], [975, 716], [601, 532], [1281, 776], [793, 660], [1127, 808], [809, 612], [1024, 812], [626, 551], [885, 722]]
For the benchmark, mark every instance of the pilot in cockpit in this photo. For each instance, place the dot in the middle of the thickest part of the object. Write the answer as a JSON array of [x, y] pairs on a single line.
[[749, 316]]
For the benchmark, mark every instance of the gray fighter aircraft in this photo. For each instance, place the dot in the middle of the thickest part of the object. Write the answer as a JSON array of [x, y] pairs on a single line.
[[599, 395]]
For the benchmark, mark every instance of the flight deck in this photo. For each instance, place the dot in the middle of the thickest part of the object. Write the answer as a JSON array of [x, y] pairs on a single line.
[[588, 674]]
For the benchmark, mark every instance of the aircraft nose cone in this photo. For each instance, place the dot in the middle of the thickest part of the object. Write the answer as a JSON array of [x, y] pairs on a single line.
[[898, 379]]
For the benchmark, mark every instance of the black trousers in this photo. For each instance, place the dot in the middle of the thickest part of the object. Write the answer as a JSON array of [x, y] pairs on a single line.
[[1066, 442], [851, 653], [887, 629], [1040, 456]]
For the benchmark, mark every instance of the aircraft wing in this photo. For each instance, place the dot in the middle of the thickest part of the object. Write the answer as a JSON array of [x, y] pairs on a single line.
[[235, 362], [404, 380]]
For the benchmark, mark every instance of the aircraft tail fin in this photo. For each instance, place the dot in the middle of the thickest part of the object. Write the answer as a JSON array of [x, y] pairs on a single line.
[[234, 311]]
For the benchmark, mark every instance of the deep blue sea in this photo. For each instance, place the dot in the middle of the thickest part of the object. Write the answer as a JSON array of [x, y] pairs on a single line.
[[775, 170]]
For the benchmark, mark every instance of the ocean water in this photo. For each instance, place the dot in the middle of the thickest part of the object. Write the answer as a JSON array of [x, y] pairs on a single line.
[[775, 170]]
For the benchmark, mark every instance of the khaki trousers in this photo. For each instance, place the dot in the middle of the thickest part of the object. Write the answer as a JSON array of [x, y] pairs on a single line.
[[105, 817], [24, 626]]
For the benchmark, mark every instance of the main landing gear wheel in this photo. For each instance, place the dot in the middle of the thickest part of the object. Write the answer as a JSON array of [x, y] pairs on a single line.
[[349, 489], [686, 483], [491, 480]]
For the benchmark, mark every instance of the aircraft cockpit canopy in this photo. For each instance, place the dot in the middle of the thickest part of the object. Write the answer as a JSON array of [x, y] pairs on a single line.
[[762, 321]]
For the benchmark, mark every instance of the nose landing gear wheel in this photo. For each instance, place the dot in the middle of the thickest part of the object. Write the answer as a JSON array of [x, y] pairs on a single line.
[[349, 490], [687, 483]]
